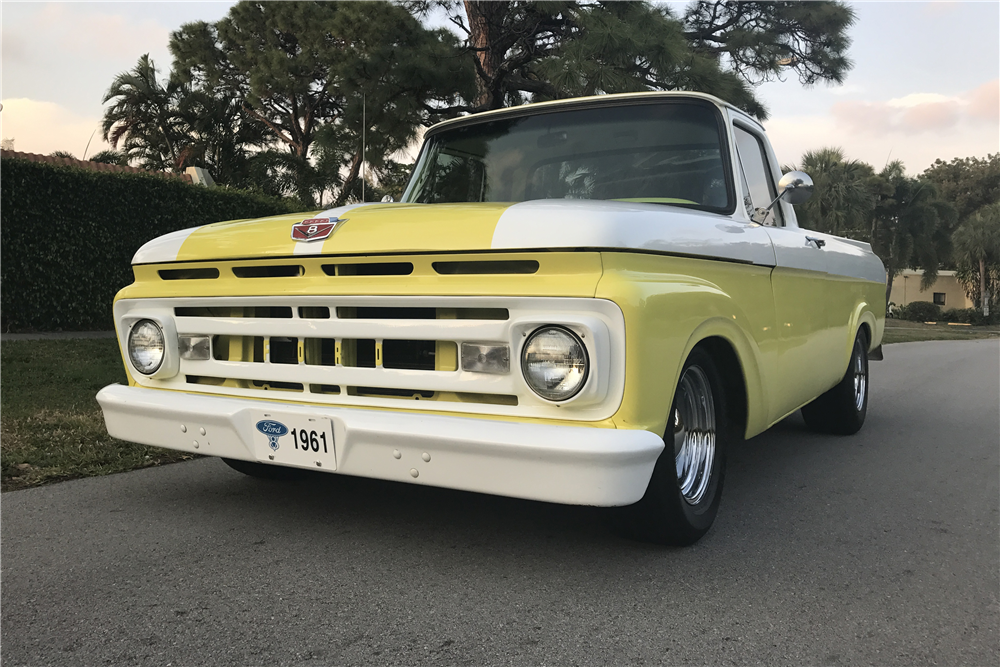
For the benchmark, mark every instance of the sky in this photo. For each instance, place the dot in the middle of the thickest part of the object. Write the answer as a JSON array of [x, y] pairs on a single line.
[[925, 84]]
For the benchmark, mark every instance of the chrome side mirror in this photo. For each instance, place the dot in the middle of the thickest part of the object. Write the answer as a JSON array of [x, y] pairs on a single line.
[[795, 186]]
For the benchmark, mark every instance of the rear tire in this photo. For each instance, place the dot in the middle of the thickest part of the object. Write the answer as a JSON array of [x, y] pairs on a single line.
[[264, 471], [683, 495], [843, 409]]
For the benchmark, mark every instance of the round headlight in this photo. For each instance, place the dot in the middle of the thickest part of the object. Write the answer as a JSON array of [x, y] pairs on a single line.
[[145, 346], [554, 363]]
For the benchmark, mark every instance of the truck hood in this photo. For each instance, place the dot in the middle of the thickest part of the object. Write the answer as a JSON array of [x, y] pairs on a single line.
[[380, 229]]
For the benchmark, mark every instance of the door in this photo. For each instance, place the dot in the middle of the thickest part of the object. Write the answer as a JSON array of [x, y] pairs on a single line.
[[799, 283]]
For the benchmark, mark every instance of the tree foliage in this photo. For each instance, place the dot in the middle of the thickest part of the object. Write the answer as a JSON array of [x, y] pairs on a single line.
[[281, 97], [545, 50], [977, 249], [843, 199], [761, 40], [305, 67], [910, 224], [143, 118], [110, 157], [969, 183]]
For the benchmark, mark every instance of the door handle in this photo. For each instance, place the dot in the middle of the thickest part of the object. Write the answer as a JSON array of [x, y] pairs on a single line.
[[812, 239]]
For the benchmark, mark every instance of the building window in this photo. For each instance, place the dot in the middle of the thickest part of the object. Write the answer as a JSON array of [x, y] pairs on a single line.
[[939, 298]]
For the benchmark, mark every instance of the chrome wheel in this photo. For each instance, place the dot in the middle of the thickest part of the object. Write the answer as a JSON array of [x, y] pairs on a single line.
[[694, 434], [860, 375]]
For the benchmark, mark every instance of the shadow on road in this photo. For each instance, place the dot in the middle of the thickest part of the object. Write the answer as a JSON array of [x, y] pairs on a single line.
[[764, 478]]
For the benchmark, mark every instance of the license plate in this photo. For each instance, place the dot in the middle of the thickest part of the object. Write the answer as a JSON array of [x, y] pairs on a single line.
[[294, 440]]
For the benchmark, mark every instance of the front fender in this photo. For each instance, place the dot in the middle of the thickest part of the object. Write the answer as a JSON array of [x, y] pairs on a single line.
[[670, 305]]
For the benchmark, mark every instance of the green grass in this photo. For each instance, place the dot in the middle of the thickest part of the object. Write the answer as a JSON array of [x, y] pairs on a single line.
[[902, 331], [51, 427]]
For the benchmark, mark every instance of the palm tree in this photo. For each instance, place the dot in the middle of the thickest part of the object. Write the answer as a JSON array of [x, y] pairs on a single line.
[[910, 224], [143, 118], [844, 197], [110, 157], [222, 137], [977, 248]]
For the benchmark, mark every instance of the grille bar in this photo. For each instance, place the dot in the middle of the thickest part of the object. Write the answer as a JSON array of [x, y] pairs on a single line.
[[339, 328]]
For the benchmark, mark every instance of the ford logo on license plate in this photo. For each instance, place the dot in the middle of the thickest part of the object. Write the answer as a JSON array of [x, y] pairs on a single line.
[[273, 430]]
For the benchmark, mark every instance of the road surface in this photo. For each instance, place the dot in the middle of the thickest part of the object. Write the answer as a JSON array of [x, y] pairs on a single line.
[[882, 548]]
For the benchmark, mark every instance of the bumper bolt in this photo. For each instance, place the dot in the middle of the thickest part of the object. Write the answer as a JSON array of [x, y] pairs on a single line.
[[426, 457], [414, 473]]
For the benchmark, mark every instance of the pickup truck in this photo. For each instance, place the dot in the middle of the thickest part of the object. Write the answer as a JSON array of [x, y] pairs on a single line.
[[586, 301]]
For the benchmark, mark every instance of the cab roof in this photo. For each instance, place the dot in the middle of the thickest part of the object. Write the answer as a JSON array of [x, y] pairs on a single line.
[[582, 103]]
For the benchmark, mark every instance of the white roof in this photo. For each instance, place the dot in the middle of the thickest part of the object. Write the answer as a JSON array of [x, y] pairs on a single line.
[[537, 107]]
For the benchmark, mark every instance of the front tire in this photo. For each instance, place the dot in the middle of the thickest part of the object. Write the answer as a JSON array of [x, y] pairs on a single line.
[[843, 409], [683, 495]]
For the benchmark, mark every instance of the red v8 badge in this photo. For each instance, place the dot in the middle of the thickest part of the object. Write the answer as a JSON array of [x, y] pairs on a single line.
[[315, 229]]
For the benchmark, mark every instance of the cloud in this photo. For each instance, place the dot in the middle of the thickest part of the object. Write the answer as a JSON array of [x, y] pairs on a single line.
[[939, 9], [44, 127], [919, 113], [77, 29], [916, 128], [984, 102]]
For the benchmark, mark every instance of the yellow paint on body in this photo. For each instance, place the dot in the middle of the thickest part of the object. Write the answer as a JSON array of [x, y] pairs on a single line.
[[670, 305], [787, 354], [559, 274], [373, 229]]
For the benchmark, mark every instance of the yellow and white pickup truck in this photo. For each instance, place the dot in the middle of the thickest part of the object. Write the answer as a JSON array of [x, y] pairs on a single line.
[[584, 301]]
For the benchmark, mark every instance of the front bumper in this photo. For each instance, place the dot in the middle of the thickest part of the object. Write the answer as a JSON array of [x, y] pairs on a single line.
[[576, 465]]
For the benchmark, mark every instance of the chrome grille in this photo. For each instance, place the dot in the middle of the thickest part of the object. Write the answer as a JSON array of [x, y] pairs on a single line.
[[382, 351]]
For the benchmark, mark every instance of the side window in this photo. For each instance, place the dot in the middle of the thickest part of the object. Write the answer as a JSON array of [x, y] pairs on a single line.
[[756, 175]]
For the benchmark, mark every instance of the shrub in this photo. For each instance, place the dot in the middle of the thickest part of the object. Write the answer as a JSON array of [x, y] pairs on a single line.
[[920, 311], [970, 316], [959, 315], [68, 236]]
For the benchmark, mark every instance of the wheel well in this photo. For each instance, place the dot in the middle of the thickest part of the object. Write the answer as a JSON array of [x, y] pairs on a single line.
[[868, 332], [734, 383]]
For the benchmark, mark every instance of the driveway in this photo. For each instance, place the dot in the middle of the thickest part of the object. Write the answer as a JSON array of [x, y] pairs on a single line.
[[882, 548]]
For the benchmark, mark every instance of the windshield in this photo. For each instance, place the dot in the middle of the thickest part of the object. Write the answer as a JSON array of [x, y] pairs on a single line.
[[669, 152]]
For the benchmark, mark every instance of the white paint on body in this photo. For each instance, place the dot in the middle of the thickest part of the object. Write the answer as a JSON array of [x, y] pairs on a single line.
[[163, 248], [662, 228]]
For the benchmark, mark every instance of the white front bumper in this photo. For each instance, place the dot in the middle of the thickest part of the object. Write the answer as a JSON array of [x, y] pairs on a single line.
[[575, 465]]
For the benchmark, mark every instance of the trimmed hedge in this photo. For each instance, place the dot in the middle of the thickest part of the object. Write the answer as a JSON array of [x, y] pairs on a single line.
[[970, 316], [920, 311], [67, 237], [925, 311]]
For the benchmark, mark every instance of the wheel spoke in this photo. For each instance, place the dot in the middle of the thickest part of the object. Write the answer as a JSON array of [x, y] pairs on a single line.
[[694, 444], [860, 376]]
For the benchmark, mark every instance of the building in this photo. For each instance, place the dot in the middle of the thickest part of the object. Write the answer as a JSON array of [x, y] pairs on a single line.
[[946, 291]]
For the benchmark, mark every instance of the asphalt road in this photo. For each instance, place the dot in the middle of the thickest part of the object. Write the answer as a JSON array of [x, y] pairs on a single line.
[[882, 548]]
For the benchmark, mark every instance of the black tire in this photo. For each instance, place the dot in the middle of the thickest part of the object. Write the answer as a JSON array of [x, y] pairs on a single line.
[[843, 409], [264, 471], [672, 512]]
